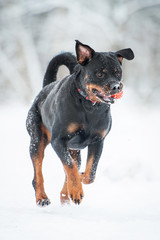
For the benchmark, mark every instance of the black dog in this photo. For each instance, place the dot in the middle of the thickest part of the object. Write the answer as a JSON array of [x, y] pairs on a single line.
[[74, 113]]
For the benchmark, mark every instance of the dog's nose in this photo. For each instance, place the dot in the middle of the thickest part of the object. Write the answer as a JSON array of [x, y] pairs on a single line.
[[115, 86]]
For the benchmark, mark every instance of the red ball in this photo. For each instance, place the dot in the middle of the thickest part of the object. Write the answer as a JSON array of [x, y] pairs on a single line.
[[117, 95]]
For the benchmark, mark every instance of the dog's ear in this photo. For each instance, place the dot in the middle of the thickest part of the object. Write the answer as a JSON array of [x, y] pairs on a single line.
[[84, 53], [124, 53]]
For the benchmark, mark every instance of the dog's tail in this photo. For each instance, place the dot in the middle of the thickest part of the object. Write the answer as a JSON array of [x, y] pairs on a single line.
[[66, 59]]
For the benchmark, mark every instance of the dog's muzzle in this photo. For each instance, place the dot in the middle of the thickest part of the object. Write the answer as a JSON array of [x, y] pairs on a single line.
[[114, 87]]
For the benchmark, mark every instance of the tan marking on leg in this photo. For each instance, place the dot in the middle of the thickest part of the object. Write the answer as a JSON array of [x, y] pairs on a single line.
[[38, 178], [64, 193], [85, 177], [37, 162], [74, 184]]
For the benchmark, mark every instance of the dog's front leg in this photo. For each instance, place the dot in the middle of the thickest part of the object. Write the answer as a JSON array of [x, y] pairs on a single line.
[[94, 153], [74, 185]]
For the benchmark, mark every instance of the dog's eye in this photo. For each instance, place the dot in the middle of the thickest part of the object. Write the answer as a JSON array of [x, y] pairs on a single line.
[[117, 73], [100, 74]]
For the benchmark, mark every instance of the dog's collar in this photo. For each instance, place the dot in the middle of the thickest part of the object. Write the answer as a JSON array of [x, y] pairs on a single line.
[[86, 97]]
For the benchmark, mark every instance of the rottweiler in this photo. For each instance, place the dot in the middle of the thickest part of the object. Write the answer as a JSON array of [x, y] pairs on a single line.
[[74, 113]]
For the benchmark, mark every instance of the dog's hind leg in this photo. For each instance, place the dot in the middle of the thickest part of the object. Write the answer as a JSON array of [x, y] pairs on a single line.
[[64, 193], [40, 137], [75, 154]]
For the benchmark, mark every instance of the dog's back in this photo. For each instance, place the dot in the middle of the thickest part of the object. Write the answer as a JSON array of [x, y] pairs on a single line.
[[49, 82]]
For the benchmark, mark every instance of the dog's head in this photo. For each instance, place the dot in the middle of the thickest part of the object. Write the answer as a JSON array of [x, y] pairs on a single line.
[[101, 72]]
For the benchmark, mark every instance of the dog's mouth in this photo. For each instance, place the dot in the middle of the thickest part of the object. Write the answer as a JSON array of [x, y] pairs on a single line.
[[109, 99], [103, 94], [103, 97]]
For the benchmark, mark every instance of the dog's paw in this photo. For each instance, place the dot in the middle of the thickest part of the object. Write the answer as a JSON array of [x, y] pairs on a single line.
[[75, 192], [85, 178], [77, 199], [41, 199], [43, 202]]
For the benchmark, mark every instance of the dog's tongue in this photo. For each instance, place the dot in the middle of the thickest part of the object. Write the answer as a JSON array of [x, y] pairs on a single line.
[[117, 95], [106, 98]]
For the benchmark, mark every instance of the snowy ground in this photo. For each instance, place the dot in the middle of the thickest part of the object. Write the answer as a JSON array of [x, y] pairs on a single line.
[[123, 202]]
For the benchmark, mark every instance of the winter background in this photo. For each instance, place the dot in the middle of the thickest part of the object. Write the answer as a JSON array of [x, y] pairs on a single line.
[[124, 201]]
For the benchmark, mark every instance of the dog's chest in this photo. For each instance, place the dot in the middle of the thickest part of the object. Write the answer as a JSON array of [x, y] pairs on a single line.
[[82, 135]]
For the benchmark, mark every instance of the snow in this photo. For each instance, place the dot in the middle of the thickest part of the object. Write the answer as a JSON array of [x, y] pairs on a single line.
[[122, 203]]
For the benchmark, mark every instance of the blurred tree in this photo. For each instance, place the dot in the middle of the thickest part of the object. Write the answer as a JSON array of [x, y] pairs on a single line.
[[32, 31]]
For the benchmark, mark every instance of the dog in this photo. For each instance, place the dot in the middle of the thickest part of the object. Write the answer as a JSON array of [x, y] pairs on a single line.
[[74, 113]]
